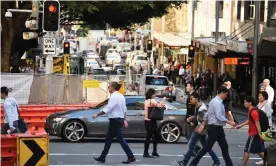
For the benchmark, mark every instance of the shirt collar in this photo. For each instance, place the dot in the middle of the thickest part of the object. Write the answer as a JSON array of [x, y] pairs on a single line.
[[219, 98]]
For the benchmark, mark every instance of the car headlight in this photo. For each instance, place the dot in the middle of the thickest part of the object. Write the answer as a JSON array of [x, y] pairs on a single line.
[[57, 119]]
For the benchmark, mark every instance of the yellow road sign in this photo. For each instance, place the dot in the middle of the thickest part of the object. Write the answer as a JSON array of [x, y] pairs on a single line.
[[91, 84], [33, 152]]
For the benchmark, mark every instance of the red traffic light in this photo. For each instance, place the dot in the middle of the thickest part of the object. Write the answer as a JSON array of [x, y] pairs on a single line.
[[52, 8], [191, 48]]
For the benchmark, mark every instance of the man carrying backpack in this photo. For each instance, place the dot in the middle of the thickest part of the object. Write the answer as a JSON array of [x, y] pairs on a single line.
[[258, 123]]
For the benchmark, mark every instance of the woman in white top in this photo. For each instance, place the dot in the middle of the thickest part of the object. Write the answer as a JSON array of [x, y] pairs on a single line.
[[131, 91], [265, 106]]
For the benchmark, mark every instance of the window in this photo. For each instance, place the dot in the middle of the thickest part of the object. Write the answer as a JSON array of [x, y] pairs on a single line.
[[239, 10], [221, 9], [157, 81], [141, 58], [249, 10], [221, 34], [135, 103]]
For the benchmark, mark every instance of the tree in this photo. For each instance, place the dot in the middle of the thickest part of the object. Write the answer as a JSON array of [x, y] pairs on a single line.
[[116, 13]]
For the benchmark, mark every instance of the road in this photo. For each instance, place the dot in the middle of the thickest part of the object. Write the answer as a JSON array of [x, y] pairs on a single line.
[[63, 153]]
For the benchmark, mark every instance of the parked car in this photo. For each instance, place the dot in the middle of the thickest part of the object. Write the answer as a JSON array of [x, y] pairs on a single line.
[[74, 125], [93, 55], [139, 60], [92, 63], [161, 84], [113, 58]]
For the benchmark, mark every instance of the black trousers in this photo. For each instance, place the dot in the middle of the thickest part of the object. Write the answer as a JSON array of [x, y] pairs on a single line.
[[152, 131], [115, 130], [215, 134]]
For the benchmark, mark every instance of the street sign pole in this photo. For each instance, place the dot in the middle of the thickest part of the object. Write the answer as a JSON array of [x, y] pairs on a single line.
[[49, 50]]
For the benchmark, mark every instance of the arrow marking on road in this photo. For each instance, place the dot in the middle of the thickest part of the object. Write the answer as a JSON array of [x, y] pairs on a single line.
[[38, 153]]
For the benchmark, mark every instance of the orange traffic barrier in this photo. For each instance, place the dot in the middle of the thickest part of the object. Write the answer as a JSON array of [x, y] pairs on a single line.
[[35, 116], [20, 149], [8, 150]]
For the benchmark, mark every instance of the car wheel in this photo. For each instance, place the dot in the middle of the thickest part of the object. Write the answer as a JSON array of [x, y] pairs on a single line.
[[73, 131], [170, 132]]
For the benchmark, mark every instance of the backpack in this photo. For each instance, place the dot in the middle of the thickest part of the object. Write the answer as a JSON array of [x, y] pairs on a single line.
[[263, 119]]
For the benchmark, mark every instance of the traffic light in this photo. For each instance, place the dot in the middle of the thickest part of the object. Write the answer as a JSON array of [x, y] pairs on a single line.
[[51, 12], [66, 48], [149, 45], [191, 52]]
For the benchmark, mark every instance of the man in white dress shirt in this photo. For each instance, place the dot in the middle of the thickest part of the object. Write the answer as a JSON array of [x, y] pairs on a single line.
[[116, 111]]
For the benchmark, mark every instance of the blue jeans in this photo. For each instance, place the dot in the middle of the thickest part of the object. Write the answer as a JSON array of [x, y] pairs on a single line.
[[192, 143], [115, 130]]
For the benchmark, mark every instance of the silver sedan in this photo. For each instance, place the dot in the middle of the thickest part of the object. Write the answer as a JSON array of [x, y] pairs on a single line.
[[74, 125]]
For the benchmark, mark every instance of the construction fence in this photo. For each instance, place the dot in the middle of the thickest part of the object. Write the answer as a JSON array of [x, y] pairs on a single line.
[[53, 89]]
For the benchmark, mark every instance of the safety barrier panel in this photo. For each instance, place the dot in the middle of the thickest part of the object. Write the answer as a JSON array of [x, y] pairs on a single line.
[[30, 149], [35, 116]]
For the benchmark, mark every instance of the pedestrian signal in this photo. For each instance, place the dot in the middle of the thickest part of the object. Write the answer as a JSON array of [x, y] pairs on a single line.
[[149, 45], [66, 48], [191, 52]]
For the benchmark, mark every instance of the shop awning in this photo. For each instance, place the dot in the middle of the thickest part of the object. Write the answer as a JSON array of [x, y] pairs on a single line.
[[172, 39]]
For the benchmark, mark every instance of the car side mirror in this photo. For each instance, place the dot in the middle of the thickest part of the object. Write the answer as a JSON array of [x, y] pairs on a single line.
[[171, 83]]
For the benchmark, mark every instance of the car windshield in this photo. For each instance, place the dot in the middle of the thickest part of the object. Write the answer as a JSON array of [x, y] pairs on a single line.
[[157, 81], [119, 67], [141, 58], [92, 62], [112, 51], [112, 56]]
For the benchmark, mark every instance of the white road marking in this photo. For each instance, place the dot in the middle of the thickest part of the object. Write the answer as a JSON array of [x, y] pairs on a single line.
[[165, 155]]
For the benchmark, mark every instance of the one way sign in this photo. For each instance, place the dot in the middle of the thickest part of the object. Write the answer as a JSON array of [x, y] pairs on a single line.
[[49, 46]]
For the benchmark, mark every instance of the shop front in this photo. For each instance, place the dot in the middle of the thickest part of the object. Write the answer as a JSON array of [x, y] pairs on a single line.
[[169, 48]]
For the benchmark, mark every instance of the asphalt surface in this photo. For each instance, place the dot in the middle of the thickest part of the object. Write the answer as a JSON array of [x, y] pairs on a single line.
[[82, 153]]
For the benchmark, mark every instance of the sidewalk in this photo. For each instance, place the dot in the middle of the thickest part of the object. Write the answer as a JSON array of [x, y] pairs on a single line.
[[241, 111]]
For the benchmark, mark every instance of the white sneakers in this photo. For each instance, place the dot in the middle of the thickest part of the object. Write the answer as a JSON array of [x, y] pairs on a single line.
[[260, 162]]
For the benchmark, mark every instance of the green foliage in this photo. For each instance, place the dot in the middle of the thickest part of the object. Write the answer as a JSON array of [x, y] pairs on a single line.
[[115, 13]]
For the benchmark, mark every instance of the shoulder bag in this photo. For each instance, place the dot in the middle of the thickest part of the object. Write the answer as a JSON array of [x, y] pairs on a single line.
[[156, 113], [23, 127]]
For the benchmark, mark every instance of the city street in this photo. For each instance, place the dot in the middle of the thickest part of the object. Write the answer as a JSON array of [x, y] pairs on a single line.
[[62, 153]]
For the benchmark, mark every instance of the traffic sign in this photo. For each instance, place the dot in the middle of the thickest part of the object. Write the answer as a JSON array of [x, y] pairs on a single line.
[[49, 46], [91, 84], [33, 151]]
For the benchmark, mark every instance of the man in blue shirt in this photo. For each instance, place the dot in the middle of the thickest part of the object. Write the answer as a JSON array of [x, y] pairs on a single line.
[[215, 118], [116, 111]]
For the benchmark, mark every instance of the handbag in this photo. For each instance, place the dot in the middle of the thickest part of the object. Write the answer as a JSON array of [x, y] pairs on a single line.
[[22, 126], [156, 113]]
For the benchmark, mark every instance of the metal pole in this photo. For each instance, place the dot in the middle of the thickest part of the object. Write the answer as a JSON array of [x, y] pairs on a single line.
[[216, 40], [49, 59], [256, 34], [86, 95], [193, 31], [193, 19]]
